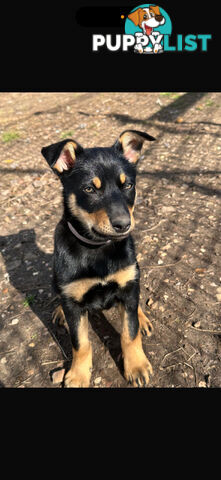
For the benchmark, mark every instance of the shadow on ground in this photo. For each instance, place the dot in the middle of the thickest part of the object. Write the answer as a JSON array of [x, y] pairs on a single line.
[[22, 258]]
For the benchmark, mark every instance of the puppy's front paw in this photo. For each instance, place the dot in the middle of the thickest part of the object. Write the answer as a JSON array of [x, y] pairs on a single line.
[[77, 379], [137, 370], [136, 365], [79, 374]]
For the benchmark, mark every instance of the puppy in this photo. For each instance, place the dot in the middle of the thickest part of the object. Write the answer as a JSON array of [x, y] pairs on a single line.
[[95, 263]]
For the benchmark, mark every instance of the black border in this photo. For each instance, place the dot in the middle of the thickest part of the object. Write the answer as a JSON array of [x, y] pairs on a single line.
[[51, 50]]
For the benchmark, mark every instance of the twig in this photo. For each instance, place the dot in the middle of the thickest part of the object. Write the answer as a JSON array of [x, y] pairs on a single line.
[[56, 340], [191, 356], [175, 364], [51, 301], [155, 226], [170, 353], [214, 332], [52, 361], [7, 351]]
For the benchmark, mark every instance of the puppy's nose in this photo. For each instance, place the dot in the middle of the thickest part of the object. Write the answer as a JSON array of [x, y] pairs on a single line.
[[121, 224], [159, 18]]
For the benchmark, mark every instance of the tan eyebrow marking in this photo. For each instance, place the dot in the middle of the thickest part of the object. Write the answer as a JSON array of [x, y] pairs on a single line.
[[97, 182], [122, 178]]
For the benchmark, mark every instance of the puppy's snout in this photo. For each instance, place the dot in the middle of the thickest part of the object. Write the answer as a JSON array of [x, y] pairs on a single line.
[[159, 18], [121, 224]]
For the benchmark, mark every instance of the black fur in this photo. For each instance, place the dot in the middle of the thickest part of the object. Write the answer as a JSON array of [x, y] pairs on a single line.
[[73, 258]]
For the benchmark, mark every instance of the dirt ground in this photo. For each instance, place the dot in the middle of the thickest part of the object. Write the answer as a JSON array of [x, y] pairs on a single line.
[[177, 235]]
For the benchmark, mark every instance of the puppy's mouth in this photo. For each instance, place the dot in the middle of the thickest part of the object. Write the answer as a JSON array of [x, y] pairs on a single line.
[[108, 236], [148, 29]]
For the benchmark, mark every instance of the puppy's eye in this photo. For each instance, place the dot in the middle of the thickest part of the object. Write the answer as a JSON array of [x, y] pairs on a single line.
[[88, 190], [128, 186], [145, 16]]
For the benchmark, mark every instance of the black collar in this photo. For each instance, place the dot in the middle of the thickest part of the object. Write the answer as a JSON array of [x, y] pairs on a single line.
[[84, 239]]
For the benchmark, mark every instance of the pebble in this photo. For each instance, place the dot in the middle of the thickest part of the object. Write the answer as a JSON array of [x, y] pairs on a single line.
[[197, 324], [150, 302], [57, 377], [3, 360], [97, 380], [155, 305], [202, 384], [168, 209], [14, 321]]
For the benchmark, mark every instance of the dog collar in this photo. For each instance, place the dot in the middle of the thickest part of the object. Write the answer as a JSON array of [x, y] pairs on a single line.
[[86, 240]]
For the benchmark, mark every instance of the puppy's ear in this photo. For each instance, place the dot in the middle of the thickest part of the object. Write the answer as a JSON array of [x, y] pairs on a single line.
[[61, 156], [130, 143], [135, 16]]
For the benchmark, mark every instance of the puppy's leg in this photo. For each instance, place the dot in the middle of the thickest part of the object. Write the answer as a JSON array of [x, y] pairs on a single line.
[[80, 372], [58, 315], [146, 326], [136, 364]]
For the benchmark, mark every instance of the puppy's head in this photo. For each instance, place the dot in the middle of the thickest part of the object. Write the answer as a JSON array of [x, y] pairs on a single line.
[[99, 183], [147, 18]]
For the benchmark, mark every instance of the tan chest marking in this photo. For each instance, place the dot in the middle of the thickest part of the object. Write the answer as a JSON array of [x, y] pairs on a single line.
[[78, 288]]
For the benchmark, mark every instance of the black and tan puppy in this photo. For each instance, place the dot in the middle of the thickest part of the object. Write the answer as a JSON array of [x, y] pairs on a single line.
[[94, 256]]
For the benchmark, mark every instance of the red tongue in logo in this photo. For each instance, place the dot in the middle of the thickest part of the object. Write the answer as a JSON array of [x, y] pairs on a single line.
[[148, 30]]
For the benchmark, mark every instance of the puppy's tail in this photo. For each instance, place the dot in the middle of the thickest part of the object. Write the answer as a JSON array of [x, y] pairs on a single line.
[[58, 315]]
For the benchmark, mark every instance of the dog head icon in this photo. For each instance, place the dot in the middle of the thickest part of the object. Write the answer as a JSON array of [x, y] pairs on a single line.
[[147, 18]]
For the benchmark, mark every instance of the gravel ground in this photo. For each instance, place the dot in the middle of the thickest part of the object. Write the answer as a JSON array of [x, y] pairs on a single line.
[[177, 235]]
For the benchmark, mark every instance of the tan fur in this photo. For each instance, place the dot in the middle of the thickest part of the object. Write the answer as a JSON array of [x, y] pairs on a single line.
[[136, 364], [131, 210], [144, 322], [97, 182], [78, 288], [58, 315], [99, 218], [122, 178], [80, 372]]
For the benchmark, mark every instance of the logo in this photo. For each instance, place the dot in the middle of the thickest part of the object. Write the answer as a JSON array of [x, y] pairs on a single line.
[[148, 29]]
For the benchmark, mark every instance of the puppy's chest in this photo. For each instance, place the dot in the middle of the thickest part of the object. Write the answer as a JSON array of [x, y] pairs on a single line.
[[77, 289]]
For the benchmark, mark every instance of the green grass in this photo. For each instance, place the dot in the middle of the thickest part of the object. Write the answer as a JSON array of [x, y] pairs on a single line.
[[9, 136], [66, 134], [172, 95], [209, 103], [29, 300]]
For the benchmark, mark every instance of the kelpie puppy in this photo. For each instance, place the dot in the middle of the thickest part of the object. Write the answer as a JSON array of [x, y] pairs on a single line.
[[94, 256]]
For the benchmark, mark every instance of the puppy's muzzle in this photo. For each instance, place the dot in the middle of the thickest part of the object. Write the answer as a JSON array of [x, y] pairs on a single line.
[[121, 224]]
